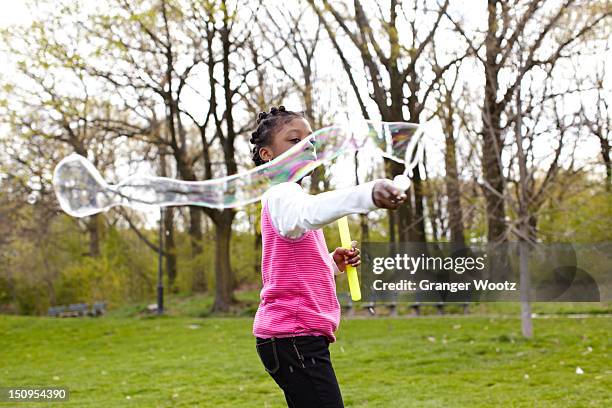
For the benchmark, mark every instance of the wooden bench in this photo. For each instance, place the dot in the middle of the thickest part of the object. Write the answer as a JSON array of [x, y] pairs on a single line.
[[416, 307], [347, 304], [77, 310], [371, 307], [56, 311], [98, 309]]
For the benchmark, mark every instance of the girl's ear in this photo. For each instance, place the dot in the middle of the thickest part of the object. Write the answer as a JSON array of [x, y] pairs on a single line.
[[265, 153]]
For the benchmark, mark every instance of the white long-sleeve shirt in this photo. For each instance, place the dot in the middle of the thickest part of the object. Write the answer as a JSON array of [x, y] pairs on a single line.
[[294, 212]]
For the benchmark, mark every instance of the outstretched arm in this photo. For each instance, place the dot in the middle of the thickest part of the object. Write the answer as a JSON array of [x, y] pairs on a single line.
[[294, 212]]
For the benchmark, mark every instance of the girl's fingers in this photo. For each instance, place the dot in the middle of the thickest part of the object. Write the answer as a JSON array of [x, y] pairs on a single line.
[[386, 194], [343, 251], [392, 204], [391, 189], [347, 252], [353, 260], [392, 199]]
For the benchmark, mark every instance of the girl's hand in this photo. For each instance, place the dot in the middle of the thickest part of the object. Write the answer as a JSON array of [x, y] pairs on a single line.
[[343, 256], [386, 195]]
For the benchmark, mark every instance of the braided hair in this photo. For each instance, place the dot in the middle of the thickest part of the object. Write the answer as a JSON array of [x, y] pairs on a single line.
[[267, 124]]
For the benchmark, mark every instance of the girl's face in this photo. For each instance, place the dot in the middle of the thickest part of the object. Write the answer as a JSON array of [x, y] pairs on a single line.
[[287, 136]]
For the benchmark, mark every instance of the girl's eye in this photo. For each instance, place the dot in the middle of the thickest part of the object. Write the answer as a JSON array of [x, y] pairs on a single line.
[[296, 140]]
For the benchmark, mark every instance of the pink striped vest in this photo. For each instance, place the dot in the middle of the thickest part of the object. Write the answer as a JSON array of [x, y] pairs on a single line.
[[298, 297]]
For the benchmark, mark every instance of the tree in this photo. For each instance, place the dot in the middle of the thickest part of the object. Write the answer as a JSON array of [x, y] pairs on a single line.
[[447, 107], [394, 66], [533, 25], [163, 45], [53, 108], [598, 118]]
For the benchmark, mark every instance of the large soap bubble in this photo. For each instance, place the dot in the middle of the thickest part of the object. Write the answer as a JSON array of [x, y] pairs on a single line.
[[81, 190]]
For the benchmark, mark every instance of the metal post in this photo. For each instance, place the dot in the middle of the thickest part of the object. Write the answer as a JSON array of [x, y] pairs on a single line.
[[160, 269]]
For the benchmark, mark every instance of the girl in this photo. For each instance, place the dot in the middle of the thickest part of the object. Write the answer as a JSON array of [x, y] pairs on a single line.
[[299, 311]]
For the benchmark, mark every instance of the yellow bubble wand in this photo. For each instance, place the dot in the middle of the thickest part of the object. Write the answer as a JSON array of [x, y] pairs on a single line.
[[351, 271]]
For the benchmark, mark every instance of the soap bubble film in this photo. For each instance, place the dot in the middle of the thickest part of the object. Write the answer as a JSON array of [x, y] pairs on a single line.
[[81, 190]]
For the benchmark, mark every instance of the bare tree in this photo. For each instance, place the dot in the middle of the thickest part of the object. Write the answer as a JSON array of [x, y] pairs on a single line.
[[394, 69], [536, 25], [598, 121], [163, 45], [447, 106], [55, 110]]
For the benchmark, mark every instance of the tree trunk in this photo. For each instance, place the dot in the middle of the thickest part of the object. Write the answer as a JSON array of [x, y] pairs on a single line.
[[169, 246], [93, 228], [524, 219], [525, 287], [223, 270], [455, 213], [402, 218], [431, 209], [418, 230], [199, 283], [186, 171], [491, 133], [170, 249], [363, 218], [493, 193], [392, 225], [605, 154], [365, 229]]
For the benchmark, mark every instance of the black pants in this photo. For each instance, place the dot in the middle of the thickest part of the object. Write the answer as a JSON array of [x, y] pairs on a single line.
[[302, 367]]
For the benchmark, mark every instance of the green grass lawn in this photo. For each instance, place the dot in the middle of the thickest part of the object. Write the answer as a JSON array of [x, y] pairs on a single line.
[[472, 361]]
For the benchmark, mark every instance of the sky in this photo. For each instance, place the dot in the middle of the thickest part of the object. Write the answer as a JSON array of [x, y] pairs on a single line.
[[13, 12]]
